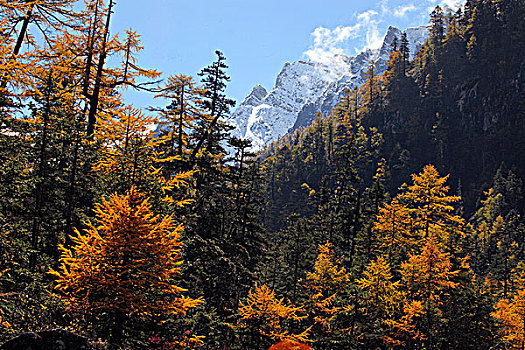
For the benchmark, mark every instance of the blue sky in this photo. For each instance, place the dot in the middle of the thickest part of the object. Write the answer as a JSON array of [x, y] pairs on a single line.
[[257, 37]]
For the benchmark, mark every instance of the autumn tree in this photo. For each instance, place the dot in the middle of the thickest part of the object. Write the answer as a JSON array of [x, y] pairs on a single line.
[[394, 226], [428, 277], [510, 313], [22, 22], [124, 264], [432, 207], [328, 304], [382, 298], [289, 345], [130, 156], [266, 315]]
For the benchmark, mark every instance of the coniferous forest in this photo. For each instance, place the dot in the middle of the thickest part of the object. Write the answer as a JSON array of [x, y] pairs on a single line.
[[395, 222]]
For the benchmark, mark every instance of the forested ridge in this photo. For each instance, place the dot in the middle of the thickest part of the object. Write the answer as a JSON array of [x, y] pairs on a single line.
[[395, 222]]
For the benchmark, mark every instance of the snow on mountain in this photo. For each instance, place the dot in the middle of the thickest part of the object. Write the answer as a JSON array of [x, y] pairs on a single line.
[[306, 87]]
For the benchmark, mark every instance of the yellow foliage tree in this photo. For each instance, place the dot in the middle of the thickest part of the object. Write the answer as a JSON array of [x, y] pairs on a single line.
[[427, 277], [125, 264], [424, 209], [328, 276], [130, 155], [265, 314], [326, 285], [511, 314], [431, 206], [395, 227], [382, 296]]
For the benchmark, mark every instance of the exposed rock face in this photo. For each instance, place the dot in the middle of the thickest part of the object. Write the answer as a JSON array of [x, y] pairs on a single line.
[[53, 339], [306, 87]]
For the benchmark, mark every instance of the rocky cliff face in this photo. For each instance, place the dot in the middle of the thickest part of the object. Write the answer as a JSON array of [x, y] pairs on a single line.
[[306, 87]]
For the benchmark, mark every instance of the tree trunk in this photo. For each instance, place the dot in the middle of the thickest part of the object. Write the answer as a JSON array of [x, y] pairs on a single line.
[[94, 98], [117, 331], [39, 190]]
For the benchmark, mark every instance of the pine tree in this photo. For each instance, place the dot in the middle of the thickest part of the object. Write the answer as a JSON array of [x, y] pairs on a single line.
[[182, 116], [371, 89], [437, 26], [404, 48], [216, 104]]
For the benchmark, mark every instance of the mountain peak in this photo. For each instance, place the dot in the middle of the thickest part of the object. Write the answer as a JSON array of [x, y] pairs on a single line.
[[255, 97]]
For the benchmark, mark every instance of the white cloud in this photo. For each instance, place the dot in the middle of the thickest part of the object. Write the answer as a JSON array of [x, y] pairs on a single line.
[[369, 27], [328, 42], [402, 10], [453, 4], [367, 15], [385, 7]]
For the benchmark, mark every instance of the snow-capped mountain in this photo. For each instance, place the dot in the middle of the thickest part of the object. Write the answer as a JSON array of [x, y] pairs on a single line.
[[306, 87]]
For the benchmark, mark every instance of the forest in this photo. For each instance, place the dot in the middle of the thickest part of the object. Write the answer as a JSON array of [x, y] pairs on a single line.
[[394, 222]]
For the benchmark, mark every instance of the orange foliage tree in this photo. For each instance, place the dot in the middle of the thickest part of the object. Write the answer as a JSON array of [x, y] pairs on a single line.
[[124, 264], [290, 345], [431, 206], [264, 314], [326, 286], [428, 278], [511, 315]]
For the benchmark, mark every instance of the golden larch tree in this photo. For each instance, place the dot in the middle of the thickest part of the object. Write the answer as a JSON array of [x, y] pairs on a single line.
[[431, 205], [327, 286], [131, 155], [265, 314], [394, 226], [511, 315], [428, 278], [382, 295], [124, 264]]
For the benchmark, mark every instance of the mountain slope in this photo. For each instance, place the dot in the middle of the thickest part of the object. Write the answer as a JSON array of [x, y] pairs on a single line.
[[306, 87]]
